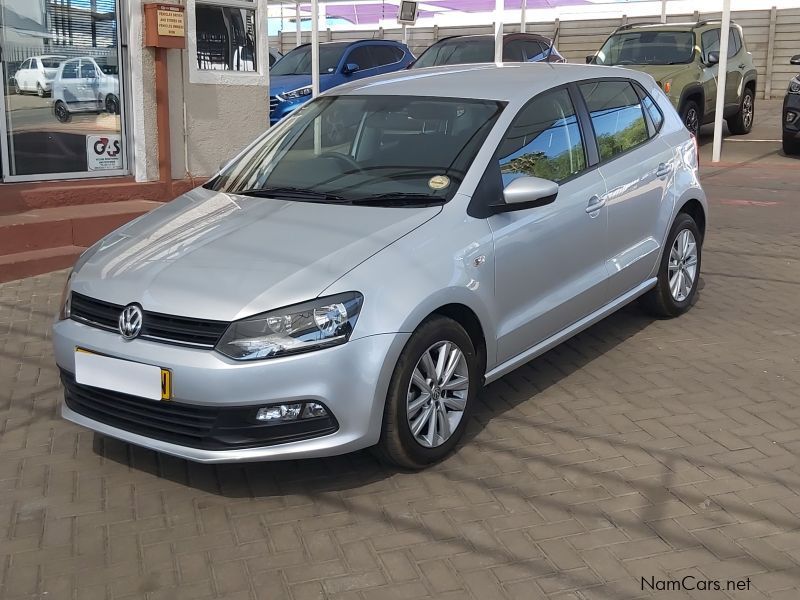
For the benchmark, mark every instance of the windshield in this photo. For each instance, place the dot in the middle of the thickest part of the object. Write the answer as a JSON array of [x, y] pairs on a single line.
[[52, 62], [298, 61], [647, 48], [457, 52], [378, 149]]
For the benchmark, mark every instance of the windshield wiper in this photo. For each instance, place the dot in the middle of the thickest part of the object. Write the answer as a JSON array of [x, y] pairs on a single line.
[[293, 193], [399, 199]]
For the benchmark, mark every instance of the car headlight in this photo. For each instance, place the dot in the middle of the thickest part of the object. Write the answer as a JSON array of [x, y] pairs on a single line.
[[298, 93], [794, 86], [312, 325], [65, 305]]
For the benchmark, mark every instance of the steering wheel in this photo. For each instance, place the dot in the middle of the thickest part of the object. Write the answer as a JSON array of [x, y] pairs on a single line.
[[343, 158]]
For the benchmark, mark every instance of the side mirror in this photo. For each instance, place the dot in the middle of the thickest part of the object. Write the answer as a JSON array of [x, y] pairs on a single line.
[[795, 60], [590, 58], [713, 58], [527, 192], [350, 68]]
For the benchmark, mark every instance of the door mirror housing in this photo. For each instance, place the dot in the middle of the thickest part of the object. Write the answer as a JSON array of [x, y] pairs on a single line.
[[527, 192], [350, 68], [590, 58], [795, 60], [713, 58]]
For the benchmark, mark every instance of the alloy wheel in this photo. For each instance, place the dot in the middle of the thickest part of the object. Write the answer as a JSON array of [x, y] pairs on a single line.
[[692, 121], [747, 111], [437, 394], [682, 268], [62, 114]]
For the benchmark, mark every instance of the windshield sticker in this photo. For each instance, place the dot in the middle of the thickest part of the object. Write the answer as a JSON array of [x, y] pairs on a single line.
[[438, 182]]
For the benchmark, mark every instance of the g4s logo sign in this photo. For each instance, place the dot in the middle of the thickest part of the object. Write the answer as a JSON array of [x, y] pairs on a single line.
[[103, 152]]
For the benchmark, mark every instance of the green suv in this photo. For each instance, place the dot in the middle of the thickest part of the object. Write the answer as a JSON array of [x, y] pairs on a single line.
[[683, 58]]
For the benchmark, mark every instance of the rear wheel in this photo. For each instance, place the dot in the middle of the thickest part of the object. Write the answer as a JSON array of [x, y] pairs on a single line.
[[40, 91], [742, 122], [791, 145], [430, 396], [690, 115], [112, 104], [17, 89], [678, 272]]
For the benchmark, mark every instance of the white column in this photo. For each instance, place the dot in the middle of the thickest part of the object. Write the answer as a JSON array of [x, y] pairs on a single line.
[[298, 34], [722, 76], [314, 48], [498, 31], [523, 17], [663, 11]]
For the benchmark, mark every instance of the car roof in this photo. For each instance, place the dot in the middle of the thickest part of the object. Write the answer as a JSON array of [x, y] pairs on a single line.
[[348, 43], [485, 36], [507, 82], [686, 26]]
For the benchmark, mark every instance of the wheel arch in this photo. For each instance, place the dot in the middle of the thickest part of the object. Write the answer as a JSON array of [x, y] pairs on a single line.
[[694, 208], [468, 319], [695, 92]]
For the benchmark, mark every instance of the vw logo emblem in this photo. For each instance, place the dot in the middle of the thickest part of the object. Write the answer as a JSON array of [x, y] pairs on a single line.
[[130, 321]]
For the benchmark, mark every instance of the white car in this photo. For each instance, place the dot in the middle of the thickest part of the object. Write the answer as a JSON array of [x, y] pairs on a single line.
[[83, 85], [36, 74]]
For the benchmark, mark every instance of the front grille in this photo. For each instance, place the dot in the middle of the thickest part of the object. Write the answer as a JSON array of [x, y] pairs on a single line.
[[273, 103], [195, 426], [159, 327]]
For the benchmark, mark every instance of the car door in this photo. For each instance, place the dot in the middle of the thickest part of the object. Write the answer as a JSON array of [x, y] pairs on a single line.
[[736, 69], [549, 261], [23, 76], [89, 84], [636, 165], [709, 42], [69, 82]]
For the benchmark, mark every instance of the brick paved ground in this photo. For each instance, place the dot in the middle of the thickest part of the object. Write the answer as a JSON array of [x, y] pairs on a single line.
[[639, 449]]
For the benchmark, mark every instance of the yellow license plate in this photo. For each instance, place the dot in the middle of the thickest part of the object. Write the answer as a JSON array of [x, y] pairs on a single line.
[[123, 376]]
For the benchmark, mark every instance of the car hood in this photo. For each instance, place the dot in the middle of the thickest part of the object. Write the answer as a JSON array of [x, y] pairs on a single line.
[[220, 256], [286, 83], [659, 72]]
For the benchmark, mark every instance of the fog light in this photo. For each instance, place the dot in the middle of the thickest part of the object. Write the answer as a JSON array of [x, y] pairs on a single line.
[[280, 413], [313, 409]]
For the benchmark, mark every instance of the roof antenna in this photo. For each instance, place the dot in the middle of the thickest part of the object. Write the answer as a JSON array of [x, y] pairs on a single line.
[[552, 45]]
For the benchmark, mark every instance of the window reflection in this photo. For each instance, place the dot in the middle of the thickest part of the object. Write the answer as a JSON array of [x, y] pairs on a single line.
[[225, 38], [617, 116]]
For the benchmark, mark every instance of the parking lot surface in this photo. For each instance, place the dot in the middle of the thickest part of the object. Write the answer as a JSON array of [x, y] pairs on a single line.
[[639, 450]]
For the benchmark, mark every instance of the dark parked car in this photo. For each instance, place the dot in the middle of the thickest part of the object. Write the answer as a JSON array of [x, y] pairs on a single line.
[[791, 113], [339, 62], [463, 49]]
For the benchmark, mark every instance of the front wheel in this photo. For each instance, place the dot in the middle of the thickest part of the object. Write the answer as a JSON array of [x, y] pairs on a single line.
[[690, 115], [112, 104], [678, 272], [61, 111], [431, 393], [742, 122], [791, 145]]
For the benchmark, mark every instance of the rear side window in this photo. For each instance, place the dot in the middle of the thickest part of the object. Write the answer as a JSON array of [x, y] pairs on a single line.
[[386, 55], [514, 51], [362, 57], [535, 50], [653, 112], [617, 116], [544, 140]]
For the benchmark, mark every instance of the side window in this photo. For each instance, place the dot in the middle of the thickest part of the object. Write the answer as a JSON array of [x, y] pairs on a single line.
[[25, 65], [70, 70], [734, 43], [653, 112], [362, 57], [710, 41], [398, 54], [87, 70], [384, 55], [544, 140], [617, 116], [513, 51]]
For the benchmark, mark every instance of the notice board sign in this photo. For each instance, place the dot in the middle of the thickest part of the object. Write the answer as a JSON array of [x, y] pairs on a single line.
[[104, 152], [164, 26]]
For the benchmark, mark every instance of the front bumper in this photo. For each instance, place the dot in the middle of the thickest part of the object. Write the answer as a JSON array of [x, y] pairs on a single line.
[[351, 380], [279, 110], [790, 116]]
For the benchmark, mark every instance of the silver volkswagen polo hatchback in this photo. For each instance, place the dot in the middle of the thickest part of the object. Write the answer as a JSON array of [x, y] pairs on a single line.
[[356, 275]]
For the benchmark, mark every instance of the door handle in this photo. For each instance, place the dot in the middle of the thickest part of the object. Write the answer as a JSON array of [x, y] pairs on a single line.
[[663, 170], [595, 204], [742, 66]]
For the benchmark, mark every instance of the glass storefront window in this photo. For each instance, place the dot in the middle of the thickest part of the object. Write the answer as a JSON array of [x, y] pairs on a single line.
[[226, 38], [62, 96]]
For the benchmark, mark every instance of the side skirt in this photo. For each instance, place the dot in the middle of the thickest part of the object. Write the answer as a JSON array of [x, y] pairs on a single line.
[[567, 333]]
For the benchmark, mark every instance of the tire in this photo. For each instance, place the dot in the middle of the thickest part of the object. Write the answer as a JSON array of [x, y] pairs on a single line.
[[690, 115], [61, 112], [112, 104], [40, 91], [17, 89], [398, 445], [791, 145], [742, 122], [661, 301]]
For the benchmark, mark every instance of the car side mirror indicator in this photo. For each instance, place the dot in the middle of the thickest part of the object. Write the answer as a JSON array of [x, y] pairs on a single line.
[[350, 68], [795, 60], [713, 58], [527, 192]]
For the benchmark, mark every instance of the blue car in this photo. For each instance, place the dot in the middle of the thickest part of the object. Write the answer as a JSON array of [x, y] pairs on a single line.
[[339, 62]]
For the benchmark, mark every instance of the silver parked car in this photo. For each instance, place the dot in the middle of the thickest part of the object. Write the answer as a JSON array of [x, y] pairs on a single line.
[[355, 276]]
